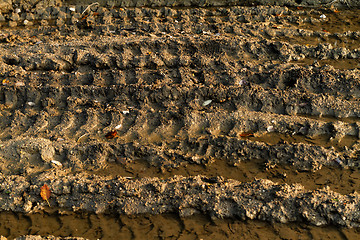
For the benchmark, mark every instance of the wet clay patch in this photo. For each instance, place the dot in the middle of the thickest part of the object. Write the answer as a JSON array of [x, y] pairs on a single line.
[[169, 226], [339, 180], [330, 20], [336, 27]]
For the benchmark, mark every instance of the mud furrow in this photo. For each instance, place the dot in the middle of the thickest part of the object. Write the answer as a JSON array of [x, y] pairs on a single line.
[[252, 98], [260, 199], [197, 138], [219, 68], [235, 93], [65, 124], [109, 53], [282, 21], [180, 4], [173, 154], [258, 122]]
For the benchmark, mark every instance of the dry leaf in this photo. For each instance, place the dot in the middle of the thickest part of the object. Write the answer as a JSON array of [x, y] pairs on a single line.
[[246, 134], [45, 193], [111, 134], [5, 82], [84, 17]]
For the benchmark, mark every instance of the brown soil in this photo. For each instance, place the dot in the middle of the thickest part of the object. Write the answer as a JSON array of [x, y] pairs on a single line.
[[167, 226], [230, 121]]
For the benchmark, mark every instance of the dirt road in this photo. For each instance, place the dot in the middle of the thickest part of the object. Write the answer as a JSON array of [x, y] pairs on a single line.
[[230, 117]]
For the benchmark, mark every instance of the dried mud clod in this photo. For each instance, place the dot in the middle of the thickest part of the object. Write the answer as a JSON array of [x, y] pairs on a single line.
[[117, 93]]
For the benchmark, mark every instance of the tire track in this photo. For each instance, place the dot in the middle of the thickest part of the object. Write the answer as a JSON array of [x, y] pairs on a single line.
[[153, 100], [252, 98], [154, 144], [186, 90]]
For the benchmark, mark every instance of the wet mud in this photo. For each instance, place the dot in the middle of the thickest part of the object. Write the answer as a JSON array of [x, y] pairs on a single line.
[[180, 120], [99, 226]]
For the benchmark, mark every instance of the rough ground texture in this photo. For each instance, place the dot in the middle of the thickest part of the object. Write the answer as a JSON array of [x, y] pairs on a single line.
[[8, 5], [219, 198], [182, 88]]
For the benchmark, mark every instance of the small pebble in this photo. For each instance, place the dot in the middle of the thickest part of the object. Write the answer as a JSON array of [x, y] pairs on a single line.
[[19, 84], [243, 82], [270, 129], [27, 23], [207, 102], [338, 161], [57, 163], [31, 104]]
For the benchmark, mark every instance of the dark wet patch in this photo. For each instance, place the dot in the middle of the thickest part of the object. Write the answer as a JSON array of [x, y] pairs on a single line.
[[330, 20], [338, 179], [167, 226]]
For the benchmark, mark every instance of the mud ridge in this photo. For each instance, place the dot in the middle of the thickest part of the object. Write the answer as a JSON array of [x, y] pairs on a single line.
[[9, 5], [219, 198], [253, 98]]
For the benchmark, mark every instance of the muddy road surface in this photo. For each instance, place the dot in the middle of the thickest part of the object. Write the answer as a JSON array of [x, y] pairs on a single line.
[[179, 121]]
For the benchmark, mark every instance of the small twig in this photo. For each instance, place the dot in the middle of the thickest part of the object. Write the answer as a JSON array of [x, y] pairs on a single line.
[[82, 137], [88, 7]]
